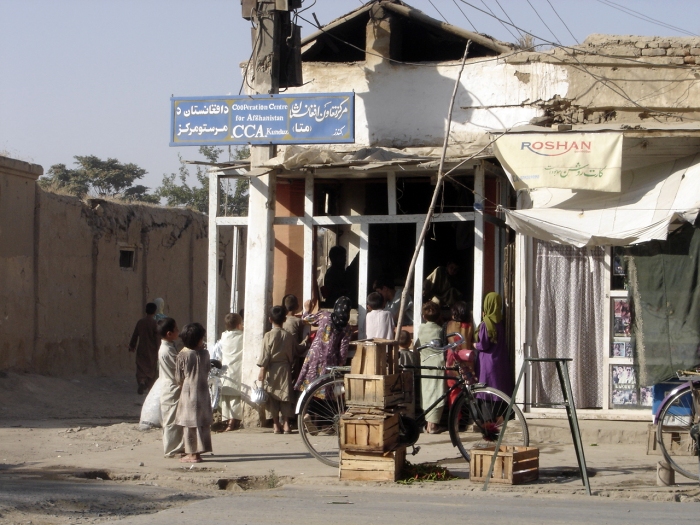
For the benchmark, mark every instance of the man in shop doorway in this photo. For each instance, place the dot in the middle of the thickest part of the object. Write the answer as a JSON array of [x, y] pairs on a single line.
[[392, 300], [335, 282], [440, 286]]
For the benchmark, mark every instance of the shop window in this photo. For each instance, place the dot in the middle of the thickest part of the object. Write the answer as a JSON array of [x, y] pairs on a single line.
[[127, 258]]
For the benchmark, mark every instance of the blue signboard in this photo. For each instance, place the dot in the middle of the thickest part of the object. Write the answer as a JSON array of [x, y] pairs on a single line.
[[319, 118]]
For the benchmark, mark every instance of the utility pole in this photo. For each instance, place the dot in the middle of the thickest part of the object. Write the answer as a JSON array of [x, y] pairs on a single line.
[[264, 77]]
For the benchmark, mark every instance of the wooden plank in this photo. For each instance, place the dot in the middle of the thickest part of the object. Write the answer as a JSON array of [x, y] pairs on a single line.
[[362, 280], [391, 191], [213, 261], [478, 289], [309, 263], [418, 275], [352, 219]]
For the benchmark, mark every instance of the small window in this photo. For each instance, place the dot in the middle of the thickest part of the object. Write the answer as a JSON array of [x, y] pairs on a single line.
[[126, 259]]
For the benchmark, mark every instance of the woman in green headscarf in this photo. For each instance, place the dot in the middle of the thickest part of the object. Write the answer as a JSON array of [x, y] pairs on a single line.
[[493, 363]]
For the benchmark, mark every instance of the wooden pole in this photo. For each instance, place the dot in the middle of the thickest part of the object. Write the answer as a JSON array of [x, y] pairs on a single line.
[[433, 201]]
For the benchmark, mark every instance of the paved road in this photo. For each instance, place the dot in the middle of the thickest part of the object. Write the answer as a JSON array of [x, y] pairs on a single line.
[[414, 505]]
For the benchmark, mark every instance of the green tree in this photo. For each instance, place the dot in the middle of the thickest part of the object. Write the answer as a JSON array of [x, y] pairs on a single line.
[[176, 190], [94, 177]]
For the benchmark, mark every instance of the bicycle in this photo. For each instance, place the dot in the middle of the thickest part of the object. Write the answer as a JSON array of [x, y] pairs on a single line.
[[475, 418], [678, 425]]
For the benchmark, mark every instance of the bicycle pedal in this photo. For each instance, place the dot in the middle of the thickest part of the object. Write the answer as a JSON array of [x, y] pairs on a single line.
[[415, 450]]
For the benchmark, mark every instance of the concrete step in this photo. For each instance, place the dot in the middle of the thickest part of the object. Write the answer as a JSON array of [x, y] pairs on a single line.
[[550, 431]]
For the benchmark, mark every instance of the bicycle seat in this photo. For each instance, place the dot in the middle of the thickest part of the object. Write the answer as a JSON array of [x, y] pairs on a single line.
[[468, 356]]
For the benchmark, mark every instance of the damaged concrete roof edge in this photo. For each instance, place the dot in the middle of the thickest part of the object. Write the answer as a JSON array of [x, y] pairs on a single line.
[[678, 128], [20, 167], [406, 10]]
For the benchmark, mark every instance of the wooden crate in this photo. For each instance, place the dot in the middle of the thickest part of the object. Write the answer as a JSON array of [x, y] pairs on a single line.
[[368, 430], [375, 357], [514, 465], [369, 466], [680, 445], [380, 391]]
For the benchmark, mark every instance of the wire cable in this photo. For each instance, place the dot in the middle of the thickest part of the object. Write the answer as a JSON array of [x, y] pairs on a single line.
[[494, 15], [545, 23], [642, 16], [507, 16], [436, 9], [465, 15], [562, 21]]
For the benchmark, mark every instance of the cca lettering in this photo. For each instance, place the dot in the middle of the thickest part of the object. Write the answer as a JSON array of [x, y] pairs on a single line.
[[249, 131]]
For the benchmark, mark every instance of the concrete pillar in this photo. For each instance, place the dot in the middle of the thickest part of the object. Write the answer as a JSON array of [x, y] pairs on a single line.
[[258, 277]]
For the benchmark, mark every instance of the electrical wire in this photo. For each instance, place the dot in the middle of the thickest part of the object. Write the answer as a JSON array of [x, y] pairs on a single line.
[[642, 16], [571, 52], [545, 23], [465, 15], [562, 21], [506, 27], [394, 61], [507, 16], [436, 9]]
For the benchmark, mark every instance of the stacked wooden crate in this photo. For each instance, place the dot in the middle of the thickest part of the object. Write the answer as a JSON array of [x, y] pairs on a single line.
[[375, 390]]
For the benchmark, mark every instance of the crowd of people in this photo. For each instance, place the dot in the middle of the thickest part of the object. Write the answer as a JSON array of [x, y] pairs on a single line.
[[291, 358]]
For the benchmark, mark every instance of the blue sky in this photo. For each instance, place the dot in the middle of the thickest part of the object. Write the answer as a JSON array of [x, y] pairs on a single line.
[[81, 77]]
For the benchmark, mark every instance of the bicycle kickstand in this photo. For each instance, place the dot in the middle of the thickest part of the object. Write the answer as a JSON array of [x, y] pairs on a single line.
[[415, 450]]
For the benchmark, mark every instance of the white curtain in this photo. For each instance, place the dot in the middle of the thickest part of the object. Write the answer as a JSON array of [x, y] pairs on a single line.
[[568, 310]]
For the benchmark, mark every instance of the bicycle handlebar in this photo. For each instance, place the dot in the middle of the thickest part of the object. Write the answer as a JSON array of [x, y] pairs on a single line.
[[458, 341]]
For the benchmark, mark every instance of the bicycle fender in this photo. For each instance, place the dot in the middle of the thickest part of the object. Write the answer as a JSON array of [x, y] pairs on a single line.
[[305, 392], [671, 393]]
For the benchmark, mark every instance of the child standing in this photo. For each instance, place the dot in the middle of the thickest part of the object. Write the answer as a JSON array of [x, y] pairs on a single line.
[[275, 364], [170, 392], [194, 413], [379, 323], [295, 326], [231, 343], [431, 389]]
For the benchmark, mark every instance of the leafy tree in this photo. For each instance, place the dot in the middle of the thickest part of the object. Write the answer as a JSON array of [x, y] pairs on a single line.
[[98, 178], [178, 192]]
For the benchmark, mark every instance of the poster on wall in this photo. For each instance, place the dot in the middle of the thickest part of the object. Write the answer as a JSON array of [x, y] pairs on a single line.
[[622, 318], [621, 349], [624, 390], [624, 386]]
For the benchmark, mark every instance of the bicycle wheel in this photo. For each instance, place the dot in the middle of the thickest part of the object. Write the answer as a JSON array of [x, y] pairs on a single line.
[[319, 420], [476, 421], [676, 416]]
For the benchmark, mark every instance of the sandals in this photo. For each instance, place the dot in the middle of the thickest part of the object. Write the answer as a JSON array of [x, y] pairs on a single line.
[[190, 460]]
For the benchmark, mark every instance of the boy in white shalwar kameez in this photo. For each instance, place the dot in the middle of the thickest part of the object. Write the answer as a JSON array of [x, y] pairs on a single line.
[[231, 344], [173, 444]]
